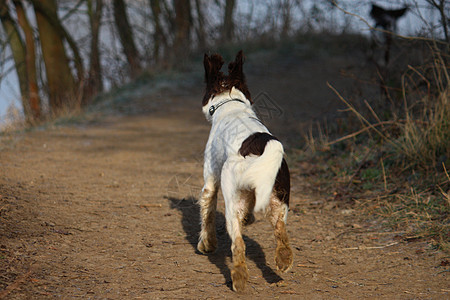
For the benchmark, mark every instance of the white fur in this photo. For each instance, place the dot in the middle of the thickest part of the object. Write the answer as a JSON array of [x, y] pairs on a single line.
[[232, 123]]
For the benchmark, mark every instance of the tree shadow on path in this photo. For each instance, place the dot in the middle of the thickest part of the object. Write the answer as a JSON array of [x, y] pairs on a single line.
[[191, 226]]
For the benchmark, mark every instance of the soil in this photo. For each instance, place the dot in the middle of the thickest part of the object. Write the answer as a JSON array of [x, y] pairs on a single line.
[[107, 210]]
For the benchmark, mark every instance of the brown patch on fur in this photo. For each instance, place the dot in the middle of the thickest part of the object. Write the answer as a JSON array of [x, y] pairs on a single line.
[[217, 82], [282, 186], [255, 144], [239, 273], [207, 239], [283, 253]]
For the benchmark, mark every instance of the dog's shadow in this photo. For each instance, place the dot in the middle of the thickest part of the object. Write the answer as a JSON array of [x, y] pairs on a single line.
[[191, 226]]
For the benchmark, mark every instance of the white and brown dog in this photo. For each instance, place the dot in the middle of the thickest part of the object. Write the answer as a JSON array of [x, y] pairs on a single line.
[[247, 162]]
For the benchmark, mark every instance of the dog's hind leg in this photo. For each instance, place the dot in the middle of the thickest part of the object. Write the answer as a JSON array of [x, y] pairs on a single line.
[[234, 213], [208, 204], [239, 273], [248, 199], [277, 215]]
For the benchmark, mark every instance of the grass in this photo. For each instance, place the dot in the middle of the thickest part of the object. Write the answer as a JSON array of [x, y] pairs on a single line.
[[425, 141], [414, 202], [396, 169]]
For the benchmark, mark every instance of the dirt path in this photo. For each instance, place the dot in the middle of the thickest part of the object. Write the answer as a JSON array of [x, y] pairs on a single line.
[[107, 211]]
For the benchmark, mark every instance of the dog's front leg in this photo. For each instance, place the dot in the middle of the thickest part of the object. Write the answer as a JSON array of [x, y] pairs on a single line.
[[208, 204]]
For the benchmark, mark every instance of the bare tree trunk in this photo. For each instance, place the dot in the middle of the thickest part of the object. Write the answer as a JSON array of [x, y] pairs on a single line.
[[286, 7], [61, 83], [182, 29], [159, 39], [200, 29], [126, 37], [53, 20], [19, 55], [94, 84], [34, 101], [228, 24], [169, 15]]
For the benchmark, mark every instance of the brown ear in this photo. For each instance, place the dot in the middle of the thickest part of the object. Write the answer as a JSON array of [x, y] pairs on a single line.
[[213, 75], [235, 69], [212, 66], [236, 75]]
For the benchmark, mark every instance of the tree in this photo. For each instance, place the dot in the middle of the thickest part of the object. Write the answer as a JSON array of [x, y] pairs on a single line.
[[94, 83], [61, 83], [34, 100], [183, 22], [228, 24], [126, 37], [200, 28], [53, 20], [21, 61], [286, 16], [443, 12], [159, 39]]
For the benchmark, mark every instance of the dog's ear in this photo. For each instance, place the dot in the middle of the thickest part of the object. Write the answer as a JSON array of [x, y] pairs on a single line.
[[236, 75], [213, 75], [212, 66], [235, 69], [208, 67]]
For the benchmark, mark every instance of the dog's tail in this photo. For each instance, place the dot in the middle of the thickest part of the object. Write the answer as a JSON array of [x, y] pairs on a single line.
[[262, 171]]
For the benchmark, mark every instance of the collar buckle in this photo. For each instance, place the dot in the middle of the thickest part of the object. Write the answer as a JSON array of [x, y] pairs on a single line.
[[212, 108]]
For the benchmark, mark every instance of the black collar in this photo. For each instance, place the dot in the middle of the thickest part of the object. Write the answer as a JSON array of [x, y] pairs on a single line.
[[213, 108]]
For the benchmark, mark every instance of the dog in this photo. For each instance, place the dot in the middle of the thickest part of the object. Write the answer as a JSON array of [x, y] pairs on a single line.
[[387, 18], [246, 161]]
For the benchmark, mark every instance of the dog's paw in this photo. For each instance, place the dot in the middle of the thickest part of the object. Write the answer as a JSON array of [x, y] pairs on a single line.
[[207, 246], [284, 258], [239, 276]]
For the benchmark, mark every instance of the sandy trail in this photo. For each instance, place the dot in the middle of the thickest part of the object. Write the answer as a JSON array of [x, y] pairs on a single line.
[[108, 211]]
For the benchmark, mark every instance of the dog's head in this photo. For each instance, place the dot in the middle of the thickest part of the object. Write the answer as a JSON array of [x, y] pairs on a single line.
[[218, 83]]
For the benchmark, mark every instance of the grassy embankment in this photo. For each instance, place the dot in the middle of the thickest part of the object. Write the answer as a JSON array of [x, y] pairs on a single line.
[[393, 161]]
